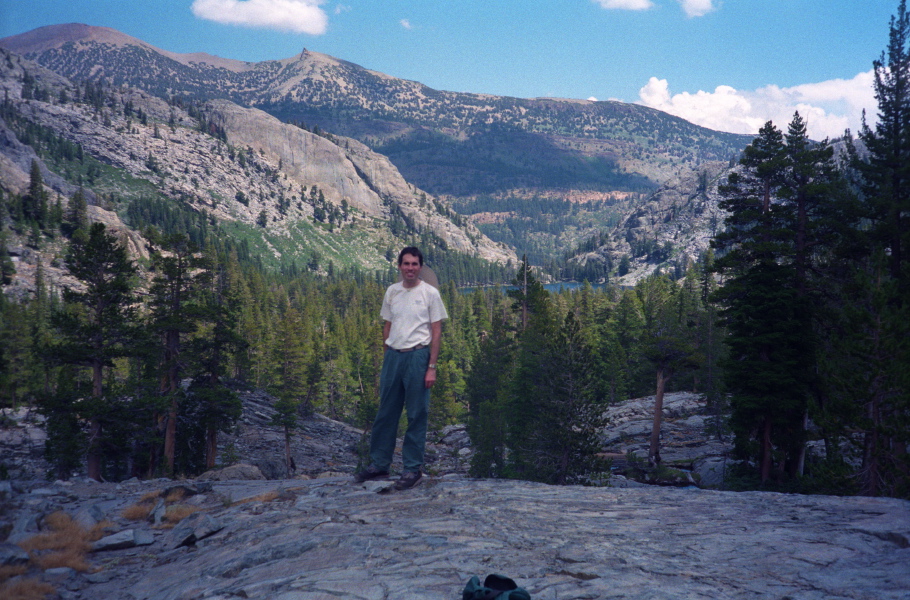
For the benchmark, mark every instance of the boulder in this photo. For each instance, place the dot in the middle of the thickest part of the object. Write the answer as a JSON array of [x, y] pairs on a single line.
[[128, 538], [12, 555], [24, 527], [193, 528], [688, 443], [89, 516], [711, 471], [240, 471], [157, 514]]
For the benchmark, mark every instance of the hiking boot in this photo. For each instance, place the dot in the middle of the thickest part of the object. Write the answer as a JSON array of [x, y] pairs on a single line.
[[370, 472], [407, 480]]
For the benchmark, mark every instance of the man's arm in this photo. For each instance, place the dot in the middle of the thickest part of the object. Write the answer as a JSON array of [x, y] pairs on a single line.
[[436, 333], [386, 328]]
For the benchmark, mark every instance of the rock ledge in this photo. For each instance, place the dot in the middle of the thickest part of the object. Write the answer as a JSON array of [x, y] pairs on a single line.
[[330, 538]]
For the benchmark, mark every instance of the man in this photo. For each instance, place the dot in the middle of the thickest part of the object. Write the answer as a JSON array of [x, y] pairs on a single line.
[[413, 312]]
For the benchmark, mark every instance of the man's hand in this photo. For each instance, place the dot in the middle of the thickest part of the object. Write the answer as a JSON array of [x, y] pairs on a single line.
[[435, 334]]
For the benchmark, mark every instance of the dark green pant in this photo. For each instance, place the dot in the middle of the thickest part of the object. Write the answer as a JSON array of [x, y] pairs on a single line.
[[401, 386]]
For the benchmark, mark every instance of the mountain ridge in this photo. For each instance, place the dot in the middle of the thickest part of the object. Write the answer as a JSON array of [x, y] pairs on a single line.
[[297, 195], [54, 36], [376, 108]]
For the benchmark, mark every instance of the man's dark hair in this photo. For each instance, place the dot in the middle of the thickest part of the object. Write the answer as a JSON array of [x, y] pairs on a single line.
[[413, 251]]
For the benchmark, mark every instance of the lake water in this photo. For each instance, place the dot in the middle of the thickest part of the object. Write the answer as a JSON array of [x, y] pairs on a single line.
[[550, 287]]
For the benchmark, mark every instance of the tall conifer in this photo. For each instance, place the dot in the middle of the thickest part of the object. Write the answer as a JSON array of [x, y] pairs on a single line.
[[886, 181], [668, 342], [213, 347], [97, 324], [761, 310], [176, 308], [877, 337]]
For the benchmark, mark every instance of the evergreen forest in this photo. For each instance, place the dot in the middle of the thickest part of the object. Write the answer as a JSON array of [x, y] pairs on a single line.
[[795, 325]]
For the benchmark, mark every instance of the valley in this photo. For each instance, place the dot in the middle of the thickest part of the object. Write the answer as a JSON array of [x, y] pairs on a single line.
[[462, 150]]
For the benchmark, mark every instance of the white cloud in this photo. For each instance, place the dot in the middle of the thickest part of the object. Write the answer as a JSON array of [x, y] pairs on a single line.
[[298, 16], [592, 99], [406, 24], [692, 8], [697, 8], [625, 4], [829, 107]]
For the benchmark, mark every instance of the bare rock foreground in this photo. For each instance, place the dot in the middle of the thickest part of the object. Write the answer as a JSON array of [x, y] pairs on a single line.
[[329, 538]]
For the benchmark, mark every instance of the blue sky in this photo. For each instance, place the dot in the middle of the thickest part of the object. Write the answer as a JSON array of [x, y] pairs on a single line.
[[727, 64]]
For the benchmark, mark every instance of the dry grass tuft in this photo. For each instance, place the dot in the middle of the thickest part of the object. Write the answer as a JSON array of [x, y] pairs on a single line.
[[176, 513], [137, 512], [73, 558], [149, 497], [99, 531], [264, 497], [66, 544], [6, 572], [176, 495], [143, 508], [26, 589], [64, 534]]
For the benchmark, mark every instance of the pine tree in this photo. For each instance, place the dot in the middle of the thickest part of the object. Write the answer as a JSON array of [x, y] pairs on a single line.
[[571, 409], [66, 440], [7, 267], [875, 339], [864, 414], [97, 325], [175, 312], [5, 216], [215, 343], [486, 390], [886, 175], [764, 315], [525, 426], [627, 325], [34, 204], [711, 343], [18, 353], [529, 296], [41, 309], [291, 386], [448, 391], [77, 216], [668, 342], [611, 361]]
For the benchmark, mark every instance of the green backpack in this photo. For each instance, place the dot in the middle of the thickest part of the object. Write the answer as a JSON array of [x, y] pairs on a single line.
[[494, 586]]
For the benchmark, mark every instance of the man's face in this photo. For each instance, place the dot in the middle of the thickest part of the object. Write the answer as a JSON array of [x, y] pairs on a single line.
[[409, 269]]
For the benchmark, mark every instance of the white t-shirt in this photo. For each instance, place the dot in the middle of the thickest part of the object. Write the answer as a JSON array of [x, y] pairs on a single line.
[[410, 311]]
